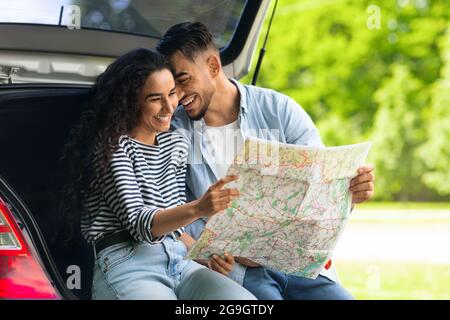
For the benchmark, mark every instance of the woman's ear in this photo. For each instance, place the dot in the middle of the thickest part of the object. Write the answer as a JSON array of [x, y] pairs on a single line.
[[214, 65]]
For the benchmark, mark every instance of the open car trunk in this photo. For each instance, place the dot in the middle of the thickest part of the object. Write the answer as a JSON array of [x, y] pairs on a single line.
[[34, 125]]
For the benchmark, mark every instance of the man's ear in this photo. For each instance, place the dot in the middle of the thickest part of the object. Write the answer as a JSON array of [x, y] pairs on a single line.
[[214, 65]]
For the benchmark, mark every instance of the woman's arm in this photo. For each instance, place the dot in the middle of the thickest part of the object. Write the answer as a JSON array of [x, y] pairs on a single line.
[[169, 220], [121, 191]]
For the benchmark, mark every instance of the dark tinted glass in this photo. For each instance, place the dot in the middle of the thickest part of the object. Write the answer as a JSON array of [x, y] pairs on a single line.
[[146, 17]]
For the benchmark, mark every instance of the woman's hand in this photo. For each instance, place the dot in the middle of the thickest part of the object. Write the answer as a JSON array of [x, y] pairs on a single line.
[[222, 265], [216, 199]]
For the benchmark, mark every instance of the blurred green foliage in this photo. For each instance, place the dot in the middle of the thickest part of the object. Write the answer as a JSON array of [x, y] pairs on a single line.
[[360, 79]]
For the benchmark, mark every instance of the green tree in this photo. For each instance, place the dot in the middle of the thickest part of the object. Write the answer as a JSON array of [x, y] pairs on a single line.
[[436, 151], [349, 77], [396, 134]]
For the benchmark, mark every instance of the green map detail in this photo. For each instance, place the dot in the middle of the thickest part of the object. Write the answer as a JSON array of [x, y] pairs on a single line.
[[246, 240], [293, 195], [268, 234]]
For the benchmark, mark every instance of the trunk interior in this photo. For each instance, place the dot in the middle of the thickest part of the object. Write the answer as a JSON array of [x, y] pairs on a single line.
[[34, 125]]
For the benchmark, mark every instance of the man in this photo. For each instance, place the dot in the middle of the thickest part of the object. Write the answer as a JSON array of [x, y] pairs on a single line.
[[213, 108]]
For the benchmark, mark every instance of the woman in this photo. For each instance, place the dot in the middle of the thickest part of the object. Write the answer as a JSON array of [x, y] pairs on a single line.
[[128, 181]]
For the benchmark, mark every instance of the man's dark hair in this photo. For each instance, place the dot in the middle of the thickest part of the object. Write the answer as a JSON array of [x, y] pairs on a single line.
[[189, 38]]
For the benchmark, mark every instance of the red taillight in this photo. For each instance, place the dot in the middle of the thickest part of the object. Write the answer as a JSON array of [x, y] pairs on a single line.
[[21, 276]]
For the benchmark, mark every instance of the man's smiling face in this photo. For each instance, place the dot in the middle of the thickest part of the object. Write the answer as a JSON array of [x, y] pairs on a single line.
[[194, 83]]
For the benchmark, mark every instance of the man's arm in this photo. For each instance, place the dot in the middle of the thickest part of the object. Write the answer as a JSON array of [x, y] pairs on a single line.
[[298, 126]]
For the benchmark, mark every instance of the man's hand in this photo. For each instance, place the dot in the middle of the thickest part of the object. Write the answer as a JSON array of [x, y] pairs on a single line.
[[221, 265], [247, 262], [362, 185]]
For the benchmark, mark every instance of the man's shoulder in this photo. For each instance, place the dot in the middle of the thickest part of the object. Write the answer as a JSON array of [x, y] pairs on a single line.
[[273, 103], [261, 94]]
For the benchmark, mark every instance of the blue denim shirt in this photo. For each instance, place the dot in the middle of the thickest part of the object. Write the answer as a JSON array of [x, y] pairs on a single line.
[[264, 114]]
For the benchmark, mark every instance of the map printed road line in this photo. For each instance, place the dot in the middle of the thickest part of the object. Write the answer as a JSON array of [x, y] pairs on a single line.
[[294, 203]]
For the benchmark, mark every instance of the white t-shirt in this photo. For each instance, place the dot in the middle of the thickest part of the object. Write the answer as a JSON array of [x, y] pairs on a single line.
[[223, 144]]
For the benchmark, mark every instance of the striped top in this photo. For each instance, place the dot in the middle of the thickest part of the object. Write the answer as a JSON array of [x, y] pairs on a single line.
[[141, 180]]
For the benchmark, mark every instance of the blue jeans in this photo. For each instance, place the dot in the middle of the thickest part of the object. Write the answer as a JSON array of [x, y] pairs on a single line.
[[269, 284], [144, 271]]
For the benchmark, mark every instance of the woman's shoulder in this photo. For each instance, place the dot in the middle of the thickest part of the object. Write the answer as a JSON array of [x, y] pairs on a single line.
[[121, 158], [166, 140], [124, 147]]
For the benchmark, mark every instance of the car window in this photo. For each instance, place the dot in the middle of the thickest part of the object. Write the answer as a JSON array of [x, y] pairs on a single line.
[[145, 17]]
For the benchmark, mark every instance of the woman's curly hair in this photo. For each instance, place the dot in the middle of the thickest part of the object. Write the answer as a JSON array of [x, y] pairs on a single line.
[[112, 111]]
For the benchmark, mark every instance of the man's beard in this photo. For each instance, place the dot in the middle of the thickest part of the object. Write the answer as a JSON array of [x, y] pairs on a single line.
[[201, 114]]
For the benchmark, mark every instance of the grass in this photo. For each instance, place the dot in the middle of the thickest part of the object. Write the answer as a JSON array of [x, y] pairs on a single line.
[[394, 281]]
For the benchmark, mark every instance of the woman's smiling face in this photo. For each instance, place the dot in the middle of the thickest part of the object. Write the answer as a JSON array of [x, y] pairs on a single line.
[[157, 101]]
